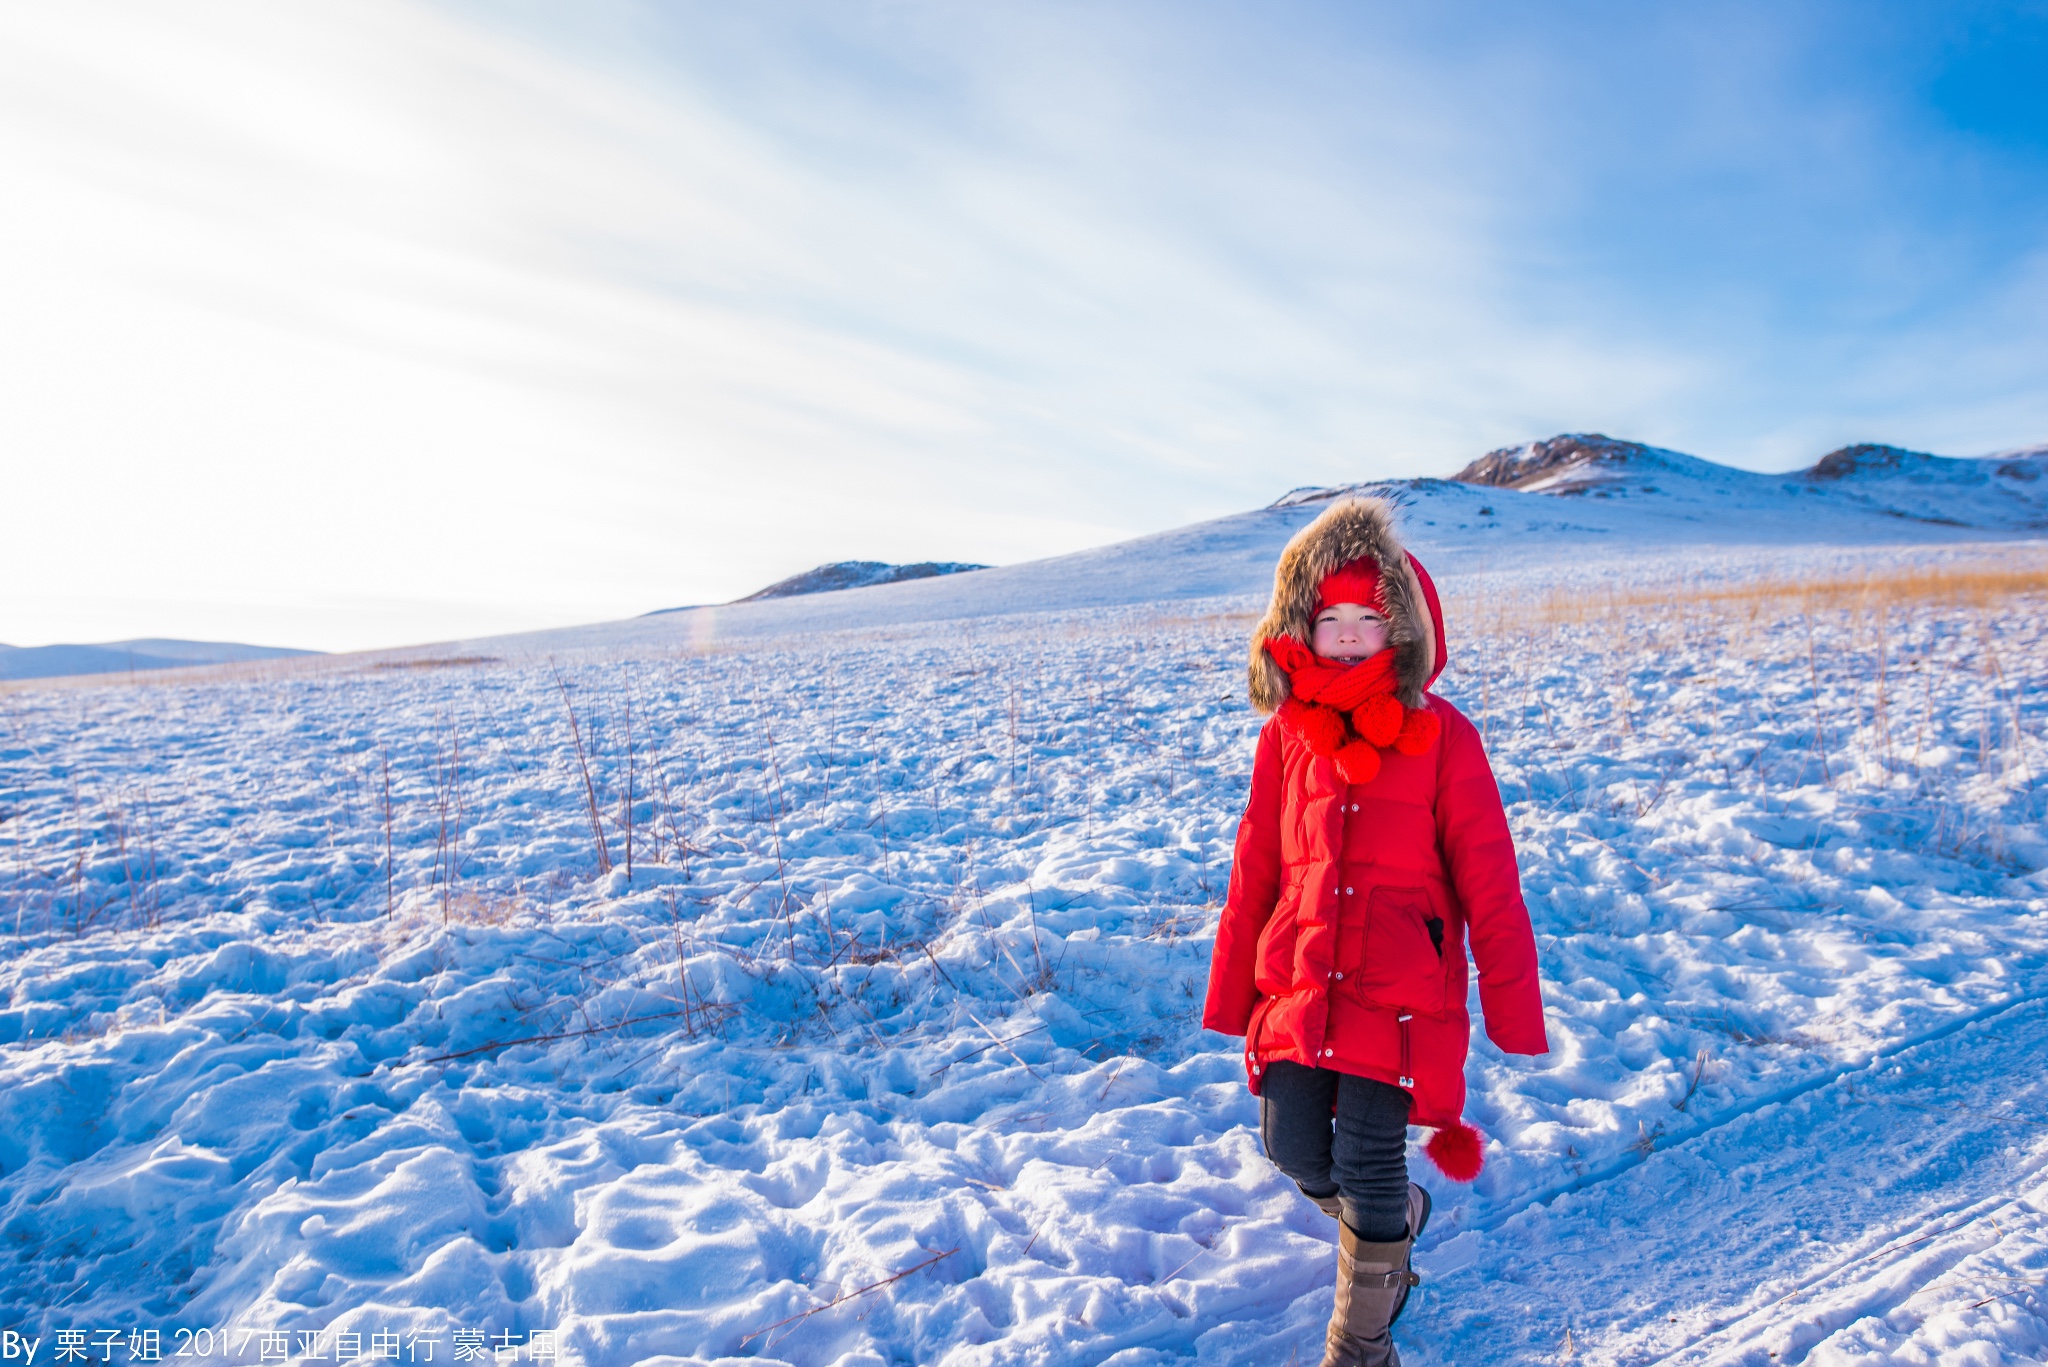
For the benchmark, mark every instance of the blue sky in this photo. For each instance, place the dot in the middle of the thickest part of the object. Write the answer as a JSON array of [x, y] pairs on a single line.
[[353, 325]]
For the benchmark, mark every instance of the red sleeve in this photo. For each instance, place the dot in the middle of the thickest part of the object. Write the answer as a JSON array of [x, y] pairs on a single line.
[[1254, 889], [1472, 831]]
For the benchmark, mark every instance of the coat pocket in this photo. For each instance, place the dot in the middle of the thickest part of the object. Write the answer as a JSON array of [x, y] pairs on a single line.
[[1402, 959], [1274, 971]]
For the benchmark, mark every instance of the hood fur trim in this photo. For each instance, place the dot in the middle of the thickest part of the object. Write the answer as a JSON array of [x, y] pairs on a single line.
[[1354, 529]]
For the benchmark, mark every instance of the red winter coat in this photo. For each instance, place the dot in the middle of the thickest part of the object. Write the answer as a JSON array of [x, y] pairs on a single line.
[[1343, 942]]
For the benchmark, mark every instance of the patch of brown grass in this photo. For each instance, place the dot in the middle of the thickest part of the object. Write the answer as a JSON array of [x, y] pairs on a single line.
[[1972, 585], [438, 662]]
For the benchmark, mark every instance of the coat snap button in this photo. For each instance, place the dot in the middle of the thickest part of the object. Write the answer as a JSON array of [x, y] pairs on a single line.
[[1328, 1052], [1338, 976], [1347, 892]]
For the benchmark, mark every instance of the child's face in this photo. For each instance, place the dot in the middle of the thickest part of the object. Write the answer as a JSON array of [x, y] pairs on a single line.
[[1349, 632]]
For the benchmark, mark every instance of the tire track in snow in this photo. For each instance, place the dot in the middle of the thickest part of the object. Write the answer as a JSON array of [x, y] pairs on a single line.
[[1633, 1158], [1873, 1286], [1835, 1214]]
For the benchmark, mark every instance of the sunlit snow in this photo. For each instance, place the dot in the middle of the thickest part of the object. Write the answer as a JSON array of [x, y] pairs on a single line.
[[833, 998]]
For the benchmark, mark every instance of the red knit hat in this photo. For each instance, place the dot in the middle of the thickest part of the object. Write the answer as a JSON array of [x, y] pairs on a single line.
[[1357, 582]]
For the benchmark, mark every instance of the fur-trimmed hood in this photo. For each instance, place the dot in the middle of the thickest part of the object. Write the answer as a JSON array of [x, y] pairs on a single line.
[[1354, 529]]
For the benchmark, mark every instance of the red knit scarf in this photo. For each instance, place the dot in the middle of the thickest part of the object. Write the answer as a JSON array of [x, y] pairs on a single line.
[[1349, 712]]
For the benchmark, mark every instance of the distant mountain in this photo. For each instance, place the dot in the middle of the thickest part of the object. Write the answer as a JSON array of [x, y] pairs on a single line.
[[2004, 492], [1582, 463], [840, 574], [117, 657], [1866, 460], [856, 574], [1593, 503]]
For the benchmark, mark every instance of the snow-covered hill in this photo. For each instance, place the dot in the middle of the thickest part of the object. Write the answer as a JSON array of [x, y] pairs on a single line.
[[1590, 503], [856, 574], [1587, 504], [112, 657], [2009, 489], [842, 574], [2005, 492], [1592, 463]]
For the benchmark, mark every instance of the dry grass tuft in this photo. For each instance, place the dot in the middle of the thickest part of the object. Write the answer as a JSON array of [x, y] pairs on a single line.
[[438, 662], [465, 908], [1972, 585]]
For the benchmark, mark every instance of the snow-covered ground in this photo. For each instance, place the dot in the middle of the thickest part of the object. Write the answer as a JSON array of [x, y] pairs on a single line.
[[322, 1016]]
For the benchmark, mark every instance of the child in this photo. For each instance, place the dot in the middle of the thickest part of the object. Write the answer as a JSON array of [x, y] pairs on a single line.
[[1373, 843]]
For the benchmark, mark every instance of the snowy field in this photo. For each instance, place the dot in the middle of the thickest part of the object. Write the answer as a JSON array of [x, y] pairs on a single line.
[[838, 1003]]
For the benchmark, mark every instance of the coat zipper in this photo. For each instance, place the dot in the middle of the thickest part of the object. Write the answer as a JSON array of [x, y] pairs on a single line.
[[1406, 1080]]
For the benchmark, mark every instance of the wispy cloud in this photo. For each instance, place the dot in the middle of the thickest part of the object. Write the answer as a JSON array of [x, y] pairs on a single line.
[[326, 309]]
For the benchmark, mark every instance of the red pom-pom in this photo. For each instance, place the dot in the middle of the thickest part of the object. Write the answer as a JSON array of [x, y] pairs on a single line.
[[1319, 728], [1358, 762], [1419, 729], [1322, 729], [1458, 1151], [1378, 719]]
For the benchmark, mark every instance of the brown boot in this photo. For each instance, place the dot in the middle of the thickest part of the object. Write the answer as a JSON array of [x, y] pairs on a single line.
[[1372, 1289], [1329, 1205], [1419, 1205]]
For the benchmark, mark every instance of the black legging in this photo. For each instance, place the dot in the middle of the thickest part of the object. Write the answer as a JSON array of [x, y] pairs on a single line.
[[1338, 1134]]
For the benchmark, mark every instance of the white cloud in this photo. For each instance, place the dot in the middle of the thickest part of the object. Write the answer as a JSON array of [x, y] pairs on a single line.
[[362, 323], [361, 306]]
